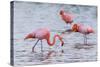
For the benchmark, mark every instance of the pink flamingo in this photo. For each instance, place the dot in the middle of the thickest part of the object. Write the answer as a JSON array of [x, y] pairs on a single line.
[[41, 34], [67, 17], [85, 30]]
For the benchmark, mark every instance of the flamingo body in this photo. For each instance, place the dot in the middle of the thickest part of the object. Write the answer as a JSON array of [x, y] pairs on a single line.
[[41, 34]]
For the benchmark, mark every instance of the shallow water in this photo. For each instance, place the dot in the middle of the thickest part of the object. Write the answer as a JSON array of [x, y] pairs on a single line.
[[31, 16]]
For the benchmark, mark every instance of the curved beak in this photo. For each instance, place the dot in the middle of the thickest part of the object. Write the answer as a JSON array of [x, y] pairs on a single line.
[[28, 36], [25, 38]]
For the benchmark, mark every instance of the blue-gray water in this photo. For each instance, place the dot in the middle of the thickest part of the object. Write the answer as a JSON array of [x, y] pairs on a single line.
[[31, 16]]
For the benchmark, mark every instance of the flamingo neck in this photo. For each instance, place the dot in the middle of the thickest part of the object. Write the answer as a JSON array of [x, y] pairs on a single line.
[[54, 40]]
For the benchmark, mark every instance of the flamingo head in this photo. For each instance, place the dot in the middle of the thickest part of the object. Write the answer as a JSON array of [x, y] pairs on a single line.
[[75, 28], [29, 36], [61, 12]]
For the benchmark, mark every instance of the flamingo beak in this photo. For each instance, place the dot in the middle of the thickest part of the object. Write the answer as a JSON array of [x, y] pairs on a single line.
[[25, 38], [28, 36]]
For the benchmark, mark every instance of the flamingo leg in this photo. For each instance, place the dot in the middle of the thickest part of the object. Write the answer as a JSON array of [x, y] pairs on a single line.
[[41, 46], [34, 46], [85, 39]]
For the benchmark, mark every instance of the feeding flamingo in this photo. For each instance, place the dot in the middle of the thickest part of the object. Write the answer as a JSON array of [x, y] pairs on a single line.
[[85, 30], [67, 17], [41, 34]]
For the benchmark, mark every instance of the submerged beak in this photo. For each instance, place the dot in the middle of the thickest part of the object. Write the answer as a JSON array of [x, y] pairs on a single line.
[[62, 44]]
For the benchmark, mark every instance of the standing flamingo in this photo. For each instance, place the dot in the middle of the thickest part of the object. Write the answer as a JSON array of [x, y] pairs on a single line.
[[67, 17], [85, 30], [41, 34]]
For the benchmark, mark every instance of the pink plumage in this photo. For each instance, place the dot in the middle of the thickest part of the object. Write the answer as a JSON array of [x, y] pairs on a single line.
[[67, 17], [43, 33]]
